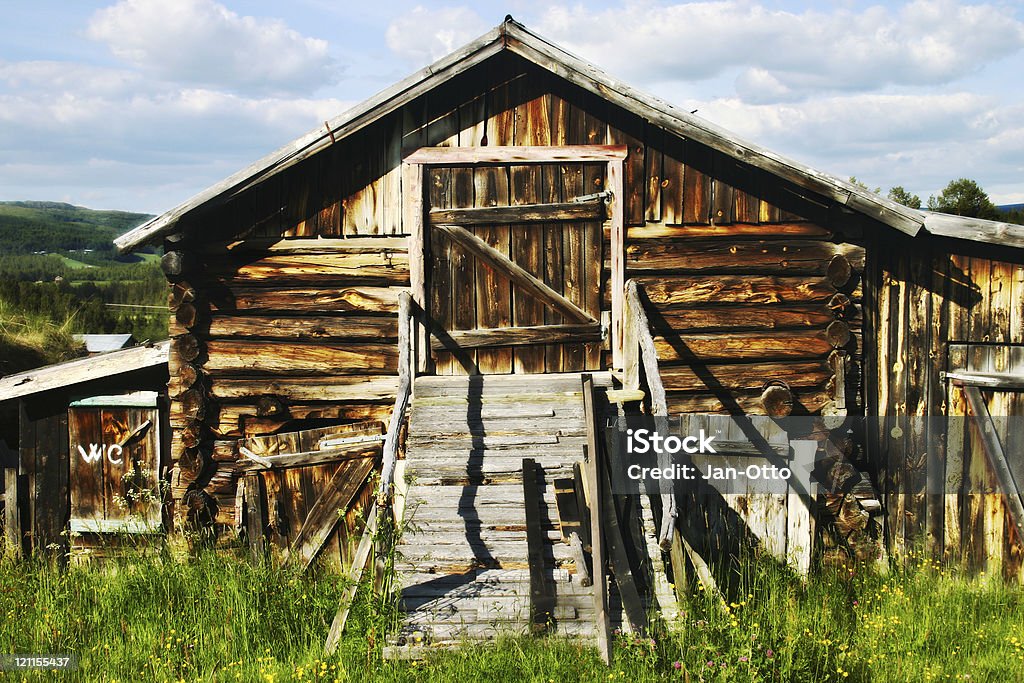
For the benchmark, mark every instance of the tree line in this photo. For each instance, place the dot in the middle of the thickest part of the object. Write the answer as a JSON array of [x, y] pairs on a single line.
[[961, 197]]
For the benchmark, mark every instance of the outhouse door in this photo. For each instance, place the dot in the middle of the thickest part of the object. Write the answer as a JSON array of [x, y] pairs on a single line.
[[511, 257]]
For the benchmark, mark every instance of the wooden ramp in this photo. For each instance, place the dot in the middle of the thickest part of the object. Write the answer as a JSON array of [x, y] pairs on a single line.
[[464, 561]]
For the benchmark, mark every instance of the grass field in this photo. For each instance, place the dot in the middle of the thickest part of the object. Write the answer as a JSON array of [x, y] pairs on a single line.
[[218, 618]]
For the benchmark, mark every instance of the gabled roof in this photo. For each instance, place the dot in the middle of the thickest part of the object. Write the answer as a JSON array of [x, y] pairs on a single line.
[[82, 370], [515, 38]]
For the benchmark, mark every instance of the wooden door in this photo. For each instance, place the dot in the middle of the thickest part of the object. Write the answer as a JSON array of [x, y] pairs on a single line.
[[512, 252], [115, 464]]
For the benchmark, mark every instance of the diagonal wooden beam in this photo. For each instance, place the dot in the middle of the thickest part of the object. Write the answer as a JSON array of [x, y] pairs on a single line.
[[516, 273], [996, 456], [324, 516]]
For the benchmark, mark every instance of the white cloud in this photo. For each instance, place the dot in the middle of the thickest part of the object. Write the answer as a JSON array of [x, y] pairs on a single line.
[[425, 35], [202, 43], [785, 55], [917, 141]]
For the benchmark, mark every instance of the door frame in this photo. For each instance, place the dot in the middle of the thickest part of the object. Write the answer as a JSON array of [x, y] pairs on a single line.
[[415, 165]]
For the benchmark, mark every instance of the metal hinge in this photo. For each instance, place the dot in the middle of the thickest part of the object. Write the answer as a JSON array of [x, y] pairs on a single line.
[[606, 196]]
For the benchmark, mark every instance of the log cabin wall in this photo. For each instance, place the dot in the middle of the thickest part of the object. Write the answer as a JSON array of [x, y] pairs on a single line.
[[924, 299], [749, 279]]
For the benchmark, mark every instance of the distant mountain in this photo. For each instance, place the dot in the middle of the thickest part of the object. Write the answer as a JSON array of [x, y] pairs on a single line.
[[1007, 208], [55, 227]]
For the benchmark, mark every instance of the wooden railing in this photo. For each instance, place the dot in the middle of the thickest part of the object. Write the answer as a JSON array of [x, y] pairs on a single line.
[[638, 352], [405, 377]]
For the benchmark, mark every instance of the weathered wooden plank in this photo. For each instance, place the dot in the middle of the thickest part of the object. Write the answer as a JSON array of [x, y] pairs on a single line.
[[515, 154], [721, 289], [13, 533], [241, 357], [493, 292], [366, 388], [463, 288], [753, 257], [505, 336], [356, 451], [381, 268], [1010, 489], [696, 183], [742, 346], [617, 255], [737, 402], [747, 317], [522, 213], [247, 249], [288, 301], [666, 231], [595, 505], [304, 328], [748, 376], [355, 573], [440, 195]]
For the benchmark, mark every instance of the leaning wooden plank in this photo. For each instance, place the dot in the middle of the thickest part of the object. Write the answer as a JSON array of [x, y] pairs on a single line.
[[542, 599], [355, 573], [602, 627], [516, 154], [996, 457], [507, 336], [309, 458], [570, 525], [82, 370], [323, 517], [516, 273], [618, 558], [522, 213]]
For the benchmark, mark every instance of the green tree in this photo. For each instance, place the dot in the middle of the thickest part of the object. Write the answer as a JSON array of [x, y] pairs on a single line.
[[853, 181], [901, 196], [964, 197]]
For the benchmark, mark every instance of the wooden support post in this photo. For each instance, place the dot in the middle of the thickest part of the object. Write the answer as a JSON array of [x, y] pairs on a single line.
[[602, 627], [255, 518], [618, 255], [412, 220], [12, 512]]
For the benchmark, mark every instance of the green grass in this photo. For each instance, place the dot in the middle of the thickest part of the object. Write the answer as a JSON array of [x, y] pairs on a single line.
[[73, 264], [217, 618]]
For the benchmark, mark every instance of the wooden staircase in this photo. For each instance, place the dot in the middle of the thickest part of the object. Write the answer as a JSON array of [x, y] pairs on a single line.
[[463, 561]]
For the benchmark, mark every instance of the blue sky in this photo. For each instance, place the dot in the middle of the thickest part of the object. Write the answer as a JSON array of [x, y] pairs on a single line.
[[138, 104]]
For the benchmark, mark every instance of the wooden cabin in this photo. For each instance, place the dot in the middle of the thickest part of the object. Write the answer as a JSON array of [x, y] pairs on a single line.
[[516, 195], [92, 448]]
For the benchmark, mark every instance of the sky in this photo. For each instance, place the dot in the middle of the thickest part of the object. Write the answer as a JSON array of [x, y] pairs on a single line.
[[140, 104]]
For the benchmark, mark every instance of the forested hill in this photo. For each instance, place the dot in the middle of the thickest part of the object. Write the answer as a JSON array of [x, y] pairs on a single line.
[[28, 227], [60, 276]]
